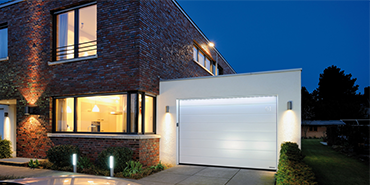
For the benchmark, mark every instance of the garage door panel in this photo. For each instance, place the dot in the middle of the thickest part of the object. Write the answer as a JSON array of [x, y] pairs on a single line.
[[240, 118], [229, 127], [220, 161], [220, 144], [231, 136], [239, 132], [230, 101], [235, 154], [226, 109]]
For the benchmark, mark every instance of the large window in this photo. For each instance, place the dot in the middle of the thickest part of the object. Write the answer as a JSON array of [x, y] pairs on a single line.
[[75, 33], [3, 41], [105, 114], [203, 60]]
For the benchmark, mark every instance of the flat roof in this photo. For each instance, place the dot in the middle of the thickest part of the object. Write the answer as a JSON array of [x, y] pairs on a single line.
[[322, 122]]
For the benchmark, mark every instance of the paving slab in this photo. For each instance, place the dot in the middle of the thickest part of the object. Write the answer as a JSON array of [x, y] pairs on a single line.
[[18, 161], [218, 172], [185, 169], [202, 180], [252, 177], [165, 177]]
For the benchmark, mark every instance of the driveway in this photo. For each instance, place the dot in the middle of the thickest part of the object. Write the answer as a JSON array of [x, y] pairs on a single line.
[[187, 174]]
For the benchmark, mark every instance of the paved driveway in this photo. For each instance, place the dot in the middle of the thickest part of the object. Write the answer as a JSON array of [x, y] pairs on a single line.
[[186, 174]]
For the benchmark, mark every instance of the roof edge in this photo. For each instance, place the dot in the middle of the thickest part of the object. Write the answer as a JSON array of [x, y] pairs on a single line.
[[10, 3], [233, 75], [200, 31]]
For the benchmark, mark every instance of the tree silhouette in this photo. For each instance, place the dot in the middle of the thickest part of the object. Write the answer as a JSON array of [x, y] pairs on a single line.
[[308, 105], [336, 96]]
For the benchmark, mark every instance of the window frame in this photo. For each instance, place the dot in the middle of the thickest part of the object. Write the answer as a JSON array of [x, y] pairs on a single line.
[[206, 56], [128, 119], [76, 32], [5, 26]]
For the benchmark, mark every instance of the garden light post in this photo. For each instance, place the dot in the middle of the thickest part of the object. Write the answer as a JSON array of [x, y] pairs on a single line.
[[74, 162], [111, 165]]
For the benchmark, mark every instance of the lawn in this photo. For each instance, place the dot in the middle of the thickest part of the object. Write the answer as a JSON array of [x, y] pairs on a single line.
[[331, 167]]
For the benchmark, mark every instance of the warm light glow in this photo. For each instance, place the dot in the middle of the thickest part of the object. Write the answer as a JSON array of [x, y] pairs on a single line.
[[69, 110], [74, 159], [96, 109], [290, 126], [211, 44], [7, 129], [110, 161]]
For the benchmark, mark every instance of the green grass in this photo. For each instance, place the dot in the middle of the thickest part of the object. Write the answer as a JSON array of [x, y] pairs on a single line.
[[331, 167]]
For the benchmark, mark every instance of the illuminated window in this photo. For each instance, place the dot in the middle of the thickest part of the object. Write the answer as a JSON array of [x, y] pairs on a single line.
[[3, 41], [203, 60], [75, 33], [105, 114]]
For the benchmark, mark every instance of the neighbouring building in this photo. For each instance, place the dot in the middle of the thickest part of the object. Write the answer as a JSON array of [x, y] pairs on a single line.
[[131, 73], [317, 128]]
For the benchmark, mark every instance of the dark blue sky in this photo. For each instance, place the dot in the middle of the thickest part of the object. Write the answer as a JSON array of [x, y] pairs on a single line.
[[272, 35]]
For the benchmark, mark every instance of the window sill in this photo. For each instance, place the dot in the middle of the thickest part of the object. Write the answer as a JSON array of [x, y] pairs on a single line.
[[110, 136], [72, 60], [4, 59], [204, 68]]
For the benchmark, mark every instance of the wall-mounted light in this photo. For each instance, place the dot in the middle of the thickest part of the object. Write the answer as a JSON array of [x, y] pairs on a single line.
[[289, 105], [211, 44], [167, 109], [6, 114], [34, 110]]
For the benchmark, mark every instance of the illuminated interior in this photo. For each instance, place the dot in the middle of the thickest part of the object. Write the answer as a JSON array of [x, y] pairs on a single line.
[[106, 113], [86, 33]]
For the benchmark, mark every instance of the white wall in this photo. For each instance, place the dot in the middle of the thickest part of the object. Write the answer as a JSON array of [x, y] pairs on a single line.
[[285, 84], [8, 125]]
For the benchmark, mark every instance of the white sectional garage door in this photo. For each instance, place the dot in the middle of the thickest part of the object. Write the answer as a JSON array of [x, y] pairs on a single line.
[[236, 132]]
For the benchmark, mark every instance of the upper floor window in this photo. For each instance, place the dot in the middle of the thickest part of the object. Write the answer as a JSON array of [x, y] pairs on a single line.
[[203, 60], [75, 33], [3, 41]]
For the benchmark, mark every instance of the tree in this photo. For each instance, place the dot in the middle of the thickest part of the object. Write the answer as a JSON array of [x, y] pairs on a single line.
[[336, 96], [308, 105]]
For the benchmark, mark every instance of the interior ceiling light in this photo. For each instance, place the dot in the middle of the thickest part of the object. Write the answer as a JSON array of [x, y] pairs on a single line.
[[96, 109], [69, 110]]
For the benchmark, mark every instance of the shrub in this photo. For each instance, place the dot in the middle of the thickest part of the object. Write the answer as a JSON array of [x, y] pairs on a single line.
[[84, 162], [121, 155], [5, 151], [132, 167], [159, 166], [93, 170], [291, 169], [61, 155], [33, 164]]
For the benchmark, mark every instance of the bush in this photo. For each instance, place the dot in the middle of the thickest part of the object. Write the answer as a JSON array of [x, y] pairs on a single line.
[[61, 155], [121, 155], [5, 151], [291, 169], [93, 170], [84, 162], [132, 167]]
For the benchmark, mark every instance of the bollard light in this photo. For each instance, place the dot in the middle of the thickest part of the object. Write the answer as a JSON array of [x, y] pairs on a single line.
[[111, 165], [74, 162]]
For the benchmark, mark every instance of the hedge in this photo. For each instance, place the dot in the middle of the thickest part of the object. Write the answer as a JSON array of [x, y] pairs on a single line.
[[291, 168], [5, 151]]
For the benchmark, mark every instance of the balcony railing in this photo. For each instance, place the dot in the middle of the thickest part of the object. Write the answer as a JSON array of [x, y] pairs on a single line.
[[68, 52]]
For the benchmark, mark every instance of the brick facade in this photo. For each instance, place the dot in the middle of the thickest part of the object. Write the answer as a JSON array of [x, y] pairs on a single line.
[[138, 43], [145, 150]]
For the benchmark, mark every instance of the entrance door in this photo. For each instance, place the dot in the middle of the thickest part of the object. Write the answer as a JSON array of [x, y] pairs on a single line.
[[235, 132]]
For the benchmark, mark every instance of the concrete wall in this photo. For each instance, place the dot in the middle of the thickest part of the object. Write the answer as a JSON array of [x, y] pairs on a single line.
[[285, 84]]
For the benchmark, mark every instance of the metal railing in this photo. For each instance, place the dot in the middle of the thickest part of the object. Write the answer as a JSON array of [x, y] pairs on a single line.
[[69, 51]]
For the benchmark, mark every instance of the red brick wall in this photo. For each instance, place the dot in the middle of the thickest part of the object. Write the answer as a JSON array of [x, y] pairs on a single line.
[[138, 42], [145, 150]]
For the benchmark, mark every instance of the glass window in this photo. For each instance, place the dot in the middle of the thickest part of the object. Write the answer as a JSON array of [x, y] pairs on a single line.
[[66, 38], [195, 53], [149, 113], [201, 58], [102, 113], [3, 41], [208, 64], [65, 114]]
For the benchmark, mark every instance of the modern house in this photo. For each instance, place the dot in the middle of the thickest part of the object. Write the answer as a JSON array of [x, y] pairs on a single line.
[[138, 74]]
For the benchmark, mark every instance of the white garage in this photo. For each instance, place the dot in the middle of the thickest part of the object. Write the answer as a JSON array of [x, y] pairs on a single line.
[[237, 132], [229, 120]]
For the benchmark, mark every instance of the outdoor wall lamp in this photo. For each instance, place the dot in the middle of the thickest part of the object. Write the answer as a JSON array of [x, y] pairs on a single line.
[[167, 109], [289, 105], [6, 114], [211, 44], [31, 110]]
